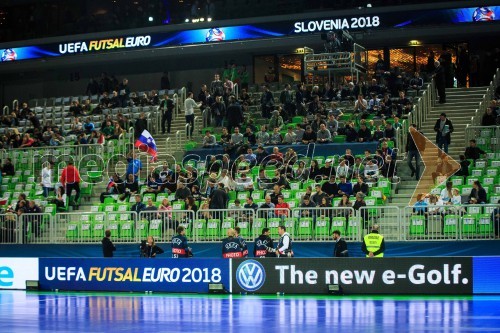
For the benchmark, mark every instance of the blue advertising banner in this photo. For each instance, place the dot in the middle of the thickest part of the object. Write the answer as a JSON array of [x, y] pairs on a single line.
[[411, 18], [107, 274], [486, 275]]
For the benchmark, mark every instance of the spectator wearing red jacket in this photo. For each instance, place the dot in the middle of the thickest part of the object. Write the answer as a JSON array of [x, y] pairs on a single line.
[[282, 208], [70, 179]]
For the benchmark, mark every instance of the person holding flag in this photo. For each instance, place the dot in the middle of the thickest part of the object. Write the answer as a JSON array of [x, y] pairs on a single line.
[[146, 143]]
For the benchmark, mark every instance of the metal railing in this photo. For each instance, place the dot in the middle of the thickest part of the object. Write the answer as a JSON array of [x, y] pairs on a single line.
[[5, 110], [449, 222], [15, 104], [446, 222], [178, 138], [344, 63], [487, 137], [487, 97], [236, 91]]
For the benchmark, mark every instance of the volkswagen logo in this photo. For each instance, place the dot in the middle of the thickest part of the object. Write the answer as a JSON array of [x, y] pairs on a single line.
[[250, 275]]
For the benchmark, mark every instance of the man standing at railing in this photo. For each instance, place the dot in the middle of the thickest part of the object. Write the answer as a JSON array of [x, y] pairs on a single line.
[[440, 80], [167, 110], [70, 179], [413, 152], [189, 106]]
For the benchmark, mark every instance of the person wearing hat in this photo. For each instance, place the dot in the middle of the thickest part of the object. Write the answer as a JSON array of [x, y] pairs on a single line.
[[276, 120], [327, 170], [443, 129], [373, 243]]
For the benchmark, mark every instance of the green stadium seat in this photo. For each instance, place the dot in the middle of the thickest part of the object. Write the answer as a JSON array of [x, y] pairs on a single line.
[[227, 222], [257, 226], [471, 179], [385, 185], [85, 226], [143, 229], [473, 210], [257, 194], [469, 225], [322, 228], [476, 172], [86, 190], [245, 229], [127, 229], [465, 190], [304, 228], [98, 230], [273, 224], [156, 228], [450, 227], [340, 224], [291, 225], [457, 180], [213, 229], [178, 205], [108, 208], [354, 227], [378, 193], [485, 224], [242, 196], [339, 139], [488, 180], [417, 225], [146, 196], [122, 207]]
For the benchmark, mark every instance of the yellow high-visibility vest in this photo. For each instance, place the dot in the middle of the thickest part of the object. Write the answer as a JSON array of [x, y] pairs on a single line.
[[373, 242]]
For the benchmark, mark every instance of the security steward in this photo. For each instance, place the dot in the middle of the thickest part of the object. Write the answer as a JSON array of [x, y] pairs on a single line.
[[373, 243], [284, 244]]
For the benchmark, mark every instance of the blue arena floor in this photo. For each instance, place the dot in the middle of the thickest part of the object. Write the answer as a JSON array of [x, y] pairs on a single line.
[[120, 312]]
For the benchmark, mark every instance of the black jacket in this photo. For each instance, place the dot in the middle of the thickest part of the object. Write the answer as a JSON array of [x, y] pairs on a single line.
[[340, 248], [150, 251], [473, 153], [218, 199], [107, 247], [437, 129], [481, 195]]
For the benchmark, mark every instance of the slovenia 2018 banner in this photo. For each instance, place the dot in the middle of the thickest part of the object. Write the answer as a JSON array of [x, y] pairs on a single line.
[[412, 18]]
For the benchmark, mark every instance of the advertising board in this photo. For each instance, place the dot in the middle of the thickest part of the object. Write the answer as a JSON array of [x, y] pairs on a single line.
[[354, 275], [14, 272], [372, 21], [160, 275]]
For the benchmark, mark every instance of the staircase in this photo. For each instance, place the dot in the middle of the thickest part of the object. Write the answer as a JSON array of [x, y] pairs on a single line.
[[460, 107]]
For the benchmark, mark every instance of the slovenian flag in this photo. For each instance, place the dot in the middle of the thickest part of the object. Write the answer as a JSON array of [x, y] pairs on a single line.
[[147, 144]]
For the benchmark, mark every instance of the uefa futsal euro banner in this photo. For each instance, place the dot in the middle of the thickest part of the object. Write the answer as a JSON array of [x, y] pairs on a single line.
[[159, 275], [354, 275], [369, 20], [416, 275]]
